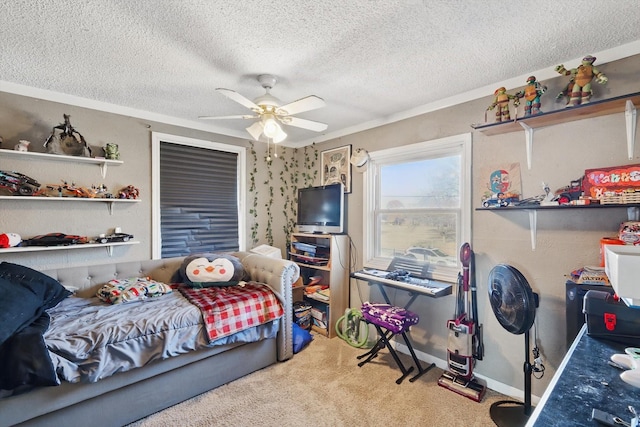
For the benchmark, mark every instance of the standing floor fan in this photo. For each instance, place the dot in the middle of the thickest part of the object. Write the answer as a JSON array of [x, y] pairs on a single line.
[[514, 305]]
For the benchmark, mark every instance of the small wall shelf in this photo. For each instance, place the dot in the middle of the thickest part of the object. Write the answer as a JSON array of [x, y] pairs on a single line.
[[107, 246], [109, 202], [103, 163], [561, 207], [627, 103], [532, 210]]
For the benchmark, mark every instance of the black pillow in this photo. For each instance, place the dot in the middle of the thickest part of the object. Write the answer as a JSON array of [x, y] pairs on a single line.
[[25, 359], [24, 295]]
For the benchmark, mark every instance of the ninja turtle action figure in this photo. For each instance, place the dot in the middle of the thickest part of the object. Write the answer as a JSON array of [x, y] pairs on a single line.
[[531, 93], [582, 76], [501, 100]]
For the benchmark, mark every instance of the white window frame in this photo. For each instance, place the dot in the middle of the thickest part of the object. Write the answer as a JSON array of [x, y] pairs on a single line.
[[156, 139], [457, 144]]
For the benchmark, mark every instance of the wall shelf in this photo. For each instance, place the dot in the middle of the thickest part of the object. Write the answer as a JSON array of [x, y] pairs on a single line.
[[107, 246], [109, 202], [532, 211], [103, 163], [625, 103], [561, 207]]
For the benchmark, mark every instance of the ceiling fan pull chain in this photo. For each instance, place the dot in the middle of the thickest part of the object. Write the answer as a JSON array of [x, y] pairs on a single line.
[[268, 149]]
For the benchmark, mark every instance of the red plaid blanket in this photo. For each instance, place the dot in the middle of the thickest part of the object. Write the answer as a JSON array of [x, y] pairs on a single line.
[[230, 309]]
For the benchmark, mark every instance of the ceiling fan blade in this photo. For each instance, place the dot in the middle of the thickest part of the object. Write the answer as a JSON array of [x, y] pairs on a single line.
[[235, 96], [239, 116], [308, 103], [304, 124]]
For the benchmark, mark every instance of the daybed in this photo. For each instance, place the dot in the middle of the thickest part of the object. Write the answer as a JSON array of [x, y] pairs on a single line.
[[128, 396]]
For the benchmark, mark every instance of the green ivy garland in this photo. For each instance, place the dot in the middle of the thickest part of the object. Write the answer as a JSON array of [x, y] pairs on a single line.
[[310, 161], [253, 211], [291, 176], [269, 183]]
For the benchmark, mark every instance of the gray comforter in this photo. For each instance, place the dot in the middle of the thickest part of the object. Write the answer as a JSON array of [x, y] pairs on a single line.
[[89, 340]]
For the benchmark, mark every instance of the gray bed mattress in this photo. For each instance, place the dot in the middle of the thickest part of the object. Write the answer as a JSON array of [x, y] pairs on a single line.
[[89, 340]]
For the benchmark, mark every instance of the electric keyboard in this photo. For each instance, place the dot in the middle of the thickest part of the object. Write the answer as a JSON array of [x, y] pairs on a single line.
[[428, 287]]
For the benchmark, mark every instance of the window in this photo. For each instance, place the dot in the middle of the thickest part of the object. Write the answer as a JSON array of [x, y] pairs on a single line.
[[417, 204], [198, 194]]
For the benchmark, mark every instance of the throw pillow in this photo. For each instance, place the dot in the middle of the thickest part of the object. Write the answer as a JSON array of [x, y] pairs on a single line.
[[26, 294], [134, 289], [301, 337], [204, 270], [25, 358]]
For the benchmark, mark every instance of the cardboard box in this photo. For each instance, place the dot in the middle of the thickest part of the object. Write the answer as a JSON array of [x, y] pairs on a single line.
[[623, 269], [612, 182]]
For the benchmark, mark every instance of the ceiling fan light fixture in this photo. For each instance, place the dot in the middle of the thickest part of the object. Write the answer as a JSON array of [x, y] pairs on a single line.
[[270, 126], [255, 130], [281, 136]]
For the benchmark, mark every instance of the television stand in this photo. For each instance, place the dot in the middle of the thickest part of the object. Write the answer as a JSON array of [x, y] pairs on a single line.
[[323, 260]]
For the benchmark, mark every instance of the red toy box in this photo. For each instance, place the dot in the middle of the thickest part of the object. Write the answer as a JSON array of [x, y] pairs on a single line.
[[618, 184]]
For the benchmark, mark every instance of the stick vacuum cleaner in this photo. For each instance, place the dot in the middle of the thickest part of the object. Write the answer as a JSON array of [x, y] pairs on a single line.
[[464, 345]]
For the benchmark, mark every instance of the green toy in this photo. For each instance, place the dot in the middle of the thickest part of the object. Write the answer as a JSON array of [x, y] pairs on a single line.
[[501, 100], [111, 152], [580, 92], [532, 93]]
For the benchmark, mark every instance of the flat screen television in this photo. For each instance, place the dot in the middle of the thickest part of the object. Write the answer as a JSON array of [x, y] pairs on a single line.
[[321, 209]]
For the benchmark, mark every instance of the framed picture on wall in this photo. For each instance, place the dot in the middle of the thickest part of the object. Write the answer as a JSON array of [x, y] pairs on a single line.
[[502, 184], [336, 167]]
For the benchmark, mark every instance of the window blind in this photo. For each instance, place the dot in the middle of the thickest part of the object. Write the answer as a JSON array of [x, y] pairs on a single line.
[[198, 200]]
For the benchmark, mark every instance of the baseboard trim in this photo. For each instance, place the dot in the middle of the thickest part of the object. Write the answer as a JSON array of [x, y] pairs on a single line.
[[494, 385]]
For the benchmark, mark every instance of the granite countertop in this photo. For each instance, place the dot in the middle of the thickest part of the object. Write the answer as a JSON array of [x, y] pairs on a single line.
[[586, 381]]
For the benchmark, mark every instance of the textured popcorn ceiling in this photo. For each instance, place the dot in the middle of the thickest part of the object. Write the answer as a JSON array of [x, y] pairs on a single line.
[[372, 61]]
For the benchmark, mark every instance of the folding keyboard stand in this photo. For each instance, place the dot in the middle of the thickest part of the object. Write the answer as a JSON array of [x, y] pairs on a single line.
[[385, 341]]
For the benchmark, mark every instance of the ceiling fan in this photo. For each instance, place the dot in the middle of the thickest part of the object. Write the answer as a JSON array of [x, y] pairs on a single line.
[[270, 113]]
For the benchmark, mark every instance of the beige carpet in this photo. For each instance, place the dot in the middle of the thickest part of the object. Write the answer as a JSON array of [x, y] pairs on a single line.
[[323, 386]]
